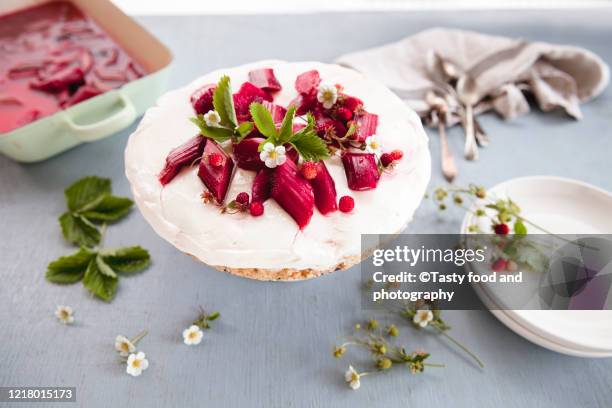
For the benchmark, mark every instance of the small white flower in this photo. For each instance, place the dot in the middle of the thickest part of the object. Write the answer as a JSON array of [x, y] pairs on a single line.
[[273, 155], [373, 145], [192, 335], [124, 346], [327, 95], [352, 378], [423, 317], [64, 314], [212, 118], [136, 364]]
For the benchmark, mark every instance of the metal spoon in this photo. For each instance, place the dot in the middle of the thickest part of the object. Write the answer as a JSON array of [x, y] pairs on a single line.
[[466, 88], [440, 108]]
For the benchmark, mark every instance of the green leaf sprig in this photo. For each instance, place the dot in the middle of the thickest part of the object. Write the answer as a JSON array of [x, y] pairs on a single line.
[[229, 128], [99, 269], [305, 141], [90, 202]]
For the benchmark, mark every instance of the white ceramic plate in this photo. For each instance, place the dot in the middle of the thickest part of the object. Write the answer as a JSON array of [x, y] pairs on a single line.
[[562, 206]]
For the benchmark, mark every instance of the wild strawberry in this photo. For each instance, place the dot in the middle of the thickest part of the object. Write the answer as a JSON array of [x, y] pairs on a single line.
[[309, 170], [243, 198], [346, 204], [499, 265], [257, 209], [215, 159], [397, 155], [352, 103], [501, 229], [344, 114], [386, 159]]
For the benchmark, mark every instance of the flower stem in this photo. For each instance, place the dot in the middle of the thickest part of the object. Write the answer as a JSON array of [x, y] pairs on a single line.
[[139, 337], [461, 346]]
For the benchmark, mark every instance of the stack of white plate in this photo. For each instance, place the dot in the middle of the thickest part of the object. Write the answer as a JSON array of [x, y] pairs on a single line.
[[562, 206]]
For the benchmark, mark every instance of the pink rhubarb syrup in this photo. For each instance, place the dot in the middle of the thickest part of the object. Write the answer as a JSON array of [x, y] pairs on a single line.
[[53, 56]]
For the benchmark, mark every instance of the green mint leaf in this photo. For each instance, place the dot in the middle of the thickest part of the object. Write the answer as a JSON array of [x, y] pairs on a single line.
[[98, 283], [128, 259], [286, 129], [520, 228], [78, 230], [263, 120], [218, 134], [223, 102], [243, 131], [310, 146], [85, 191], [71, 268], [108, 209]]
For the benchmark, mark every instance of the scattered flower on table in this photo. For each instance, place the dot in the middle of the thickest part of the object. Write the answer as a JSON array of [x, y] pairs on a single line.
[[352, 377], [327, 95], [272, 155], [124, 346], [64, 314], [422, 317], [136, 364], [373, 145], [212, 118], [193, 335]]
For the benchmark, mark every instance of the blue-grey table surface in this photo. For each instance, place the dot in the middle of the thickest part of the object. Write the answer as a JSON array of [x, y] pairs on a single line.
[[271, 347]]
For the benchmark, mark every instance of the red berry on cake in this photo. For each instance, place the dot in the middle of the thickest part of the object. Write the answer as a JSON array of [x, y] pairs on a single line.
[[243, 199], [397, 155], [215, 159], [344, 114], [257, 209], [386, 159], [309, 170], [501, 229], [346, 204]]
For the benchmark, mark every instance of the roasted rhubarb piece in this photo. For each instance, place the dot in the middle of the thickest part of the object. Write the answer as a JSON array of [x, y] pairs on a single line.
[[264, 78], [304, 103], [260, 190], [293, 193], [307, 83], [202, 99], [246, 95], [278, 112], [182, 156], [324, 189], [361, 170], [61, 80], [326, 125], [366, 126], [247, 155], [216, 178]]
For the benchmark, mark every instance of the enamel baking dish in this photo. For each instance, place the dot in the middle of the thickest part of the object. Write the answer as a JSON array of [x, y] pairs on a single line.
[[102, 115]]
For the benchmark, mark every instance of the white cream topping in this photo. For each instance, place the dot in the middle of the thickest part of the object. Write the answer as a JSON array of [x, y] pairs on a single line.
[[273, 240]]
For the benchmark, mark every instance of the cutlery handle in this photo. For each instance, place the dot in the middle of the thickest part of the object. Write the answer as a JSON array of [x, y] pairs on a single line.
[[471, 149], [449, 169]]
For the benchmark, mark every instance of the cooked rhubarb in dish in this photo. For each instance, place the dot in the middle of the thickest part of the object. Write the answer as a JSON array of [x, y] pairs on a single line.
[[53, 57]]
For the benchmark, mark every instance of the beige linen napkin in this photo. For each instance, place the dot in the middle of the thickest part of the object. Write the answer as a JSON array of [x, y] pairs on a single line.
[[558, 76]]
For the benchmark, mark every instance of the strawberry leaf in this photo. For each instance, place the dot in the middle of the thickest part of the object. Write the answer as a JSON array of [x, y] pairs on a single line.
[[127, 260], [263, 120], [79, 230], [101, 285], [218, 134], [310, 146], [223, 101], [243, 131], [71, 268], [108, 209], [286, 130], [85, 191]]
